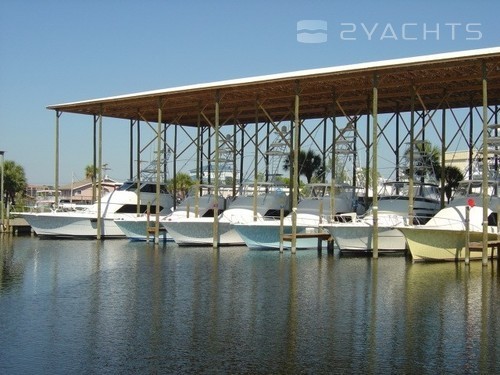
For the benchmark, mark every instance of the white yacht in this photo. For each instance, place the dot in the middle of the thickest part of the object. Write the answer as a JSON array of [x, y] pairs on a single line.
[[197, 230], [83, 223], [393, 202], [312, 210]]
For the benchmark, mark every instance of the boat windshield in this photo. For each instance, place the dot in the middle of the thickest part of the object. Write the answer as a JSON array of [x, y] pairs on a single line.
[[476, 188], [263, 188], [147, 187], [323, 190], [394, 188], [403, 189], [128, 186]]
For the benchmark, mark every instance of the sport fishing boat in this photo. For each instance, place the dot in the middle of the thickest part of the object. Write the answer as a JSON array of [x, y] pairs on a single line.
[[245, 207], [200, 202], [444, 237], [312, 210], [125, 200], [356, 235]]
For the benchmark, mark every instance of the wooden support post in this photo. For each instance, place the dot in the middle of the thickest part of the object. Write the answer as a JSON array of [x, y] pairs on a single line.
[[138, 168], [411, 174], [158, 173], [282, 215], [295, 182], [333, 166], [100, 223], [131, 150], [330, 245], [216, 172], [485, 166], [443, 159], [56, 172], [256, 163], [375, 166], [2, 181], [174, 164], [467, 235], [148, 225]]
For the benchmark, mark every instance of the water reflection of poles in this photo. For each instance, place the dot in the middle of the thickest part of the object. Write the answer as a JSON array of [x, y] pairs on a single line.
[[1, 191]]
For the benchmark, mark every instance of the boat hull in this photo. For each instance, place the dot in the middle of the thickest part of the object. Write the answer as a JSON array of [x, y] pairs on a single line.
[[114, 205], [136, 228], [358, 237], [69, 225], [267, 236], [200, 232], [431, 244]]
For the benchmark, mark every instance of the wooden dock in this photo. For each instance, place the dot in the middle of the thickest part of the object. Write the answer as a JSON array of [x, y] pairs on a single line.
[[320, 236], [478, 246], [15, 226]]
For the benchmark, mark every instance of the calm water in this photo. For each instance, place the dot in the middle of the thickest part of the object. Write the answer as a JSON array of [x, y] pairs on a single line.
[[86, 307]]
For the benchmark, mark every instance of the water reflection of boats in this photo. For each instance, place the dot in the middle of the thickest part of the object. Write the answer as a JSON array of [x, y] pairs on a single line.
[[311, 210], [199, 230], [393, 202], [116, 204], [448, 296], [444, 236]]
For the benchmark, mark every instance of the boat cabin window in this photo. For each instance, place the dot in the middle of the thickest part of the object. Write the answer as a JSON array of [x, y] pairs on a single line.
[[428, 191], [492, 219], [132, 209], [148, 188], [343, 189], [210, 212], [247, 190], [396, 188], [318, 191], [128, 186], [274, 213]]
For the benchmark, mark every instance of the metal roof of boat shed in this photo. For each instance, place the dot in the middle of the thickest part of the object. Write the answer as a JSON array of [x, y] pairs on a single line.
[[447, 80]]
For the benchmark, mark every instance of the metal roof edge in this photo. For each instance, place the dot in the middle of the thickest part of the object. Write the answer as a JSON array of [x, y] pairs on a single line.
[[373, 65]]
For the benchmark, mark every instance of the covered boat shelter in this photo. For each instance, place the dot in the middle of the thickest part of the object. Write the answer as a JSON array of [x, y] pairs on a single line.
[[426, 88]]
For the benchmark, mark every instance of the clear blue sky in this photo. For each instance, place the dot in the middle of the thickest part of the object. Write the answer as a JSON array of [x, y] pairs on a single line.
[[62, 51]]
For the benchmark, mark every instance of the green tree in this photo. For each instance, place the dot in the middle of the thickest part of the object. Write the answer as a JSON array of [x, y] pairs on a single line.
[[89, 171], [184, 182], [14, 181], [452, 177], [310, 164]]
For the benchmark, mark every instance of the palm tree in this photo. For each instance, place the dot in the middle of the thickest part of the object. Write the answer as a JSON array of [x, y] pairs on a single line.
[[428, 164], [89, 171], [452, 177], [310, 164], [183, 184]]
